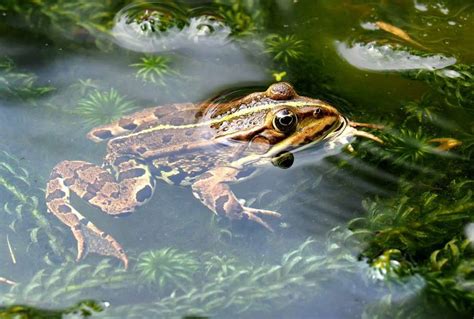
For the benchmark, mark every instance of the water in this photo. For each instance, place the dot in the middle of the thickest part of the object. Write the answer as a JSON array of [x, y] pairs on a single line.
[[383, 231]]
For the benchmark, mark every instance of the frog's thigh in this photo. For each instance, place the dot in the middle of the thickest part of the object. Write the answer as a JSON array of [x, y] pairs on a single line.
[[132, 187], [101, 189]]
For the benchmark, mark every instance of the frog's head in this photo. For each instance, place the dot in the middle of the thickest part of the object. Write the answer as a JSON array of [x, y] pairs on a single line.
[[279, 121]]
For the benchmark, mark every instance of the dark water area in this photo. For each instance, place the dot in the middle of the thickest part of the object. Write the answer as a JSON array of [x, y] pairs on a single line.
[[376, 218]]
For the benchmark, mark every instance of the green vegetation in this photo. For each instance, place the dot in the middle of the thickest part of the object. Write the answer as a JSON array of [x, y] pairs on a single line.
[[83, 309], [407, 244], [284, 48], [166, 267], [245, 17], [23, 213], [19, 85], [153, 69], [102, 107]]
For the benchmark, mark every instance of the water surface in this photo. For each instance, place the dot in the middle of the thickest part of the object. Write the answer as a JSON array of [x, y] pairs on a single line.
[[376, 232]]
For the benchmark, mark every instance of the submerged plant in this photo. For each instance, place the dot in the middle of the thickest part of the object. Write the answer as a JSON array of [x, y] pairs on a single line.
[[284, 48], [423, 110], [80, 21], [450, 277], [20, 201], [102, 107], [413, 224], [166, 267], [67, 283], [19, 85], [455, 83], [410, 148], [153, 69], [225, 285], [83, 309], [244, 17]]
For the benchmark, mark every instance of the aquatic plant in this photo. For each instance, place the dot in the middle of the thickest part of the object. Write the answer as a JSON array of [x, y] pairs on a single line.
[[102, 107], [20, 200], [423, 110], [284, 48], [167, 267], [455, 83], [416, 223], [81, 21], [153, 69], [450, 275], [243, 16], [67, 283], [83, 309], [409, 148], [226, 285], [84, 86], [204, 285], [15, 84], [436, 285]]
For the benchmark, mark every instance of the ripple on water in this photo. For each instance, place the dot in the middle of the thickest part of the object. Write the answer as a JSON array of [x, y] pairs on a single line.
[[159, 26]]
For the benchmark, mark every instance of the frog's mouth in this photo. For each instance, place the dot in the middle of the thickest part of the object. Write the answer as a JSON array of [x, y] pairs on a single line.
[[341, 134], [338, 131]]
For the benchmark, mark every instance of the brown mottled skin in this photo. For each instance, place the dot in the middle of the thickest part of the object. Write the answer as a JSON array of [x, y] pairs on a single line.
[[203, 146]]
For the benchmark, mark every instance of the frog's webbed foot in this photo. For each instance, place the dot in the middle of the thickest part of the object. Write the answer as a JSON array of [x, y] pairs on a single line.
[[211, 189], [96, 241], [89, 238]]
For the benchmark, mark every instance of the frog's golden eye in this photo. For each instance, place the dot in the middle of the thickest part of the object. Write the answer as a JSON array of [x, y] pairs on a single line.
[[285, 121]]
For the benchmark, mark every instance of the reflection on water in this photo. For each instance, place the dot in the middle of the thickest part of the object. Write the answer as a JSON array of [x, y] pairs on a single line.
[[367, 229], [157, 27], [370, 56]]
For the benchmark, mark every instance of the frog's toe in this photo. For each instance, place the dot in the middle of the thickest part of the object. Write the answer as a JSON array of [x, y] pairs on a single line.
[[81, 241], [251, 214], [266, 212]]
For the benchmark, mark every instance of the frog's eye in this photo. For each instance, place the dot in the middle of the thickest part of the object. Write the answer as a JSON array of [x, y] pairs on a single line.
[[285, 121]]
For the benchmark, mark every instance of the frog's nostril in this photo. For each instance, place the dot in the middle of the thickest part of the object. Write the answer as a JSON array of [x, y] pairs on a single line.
[[317, 112]]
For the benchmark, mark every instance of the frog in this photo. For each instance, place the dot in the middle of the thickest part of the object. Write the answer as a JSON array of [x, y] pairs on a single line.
[[205, 146]]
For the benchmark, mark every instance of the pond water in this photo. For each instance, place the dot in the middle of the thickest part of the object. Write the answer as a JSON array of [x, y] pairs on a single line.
[[368, 229]]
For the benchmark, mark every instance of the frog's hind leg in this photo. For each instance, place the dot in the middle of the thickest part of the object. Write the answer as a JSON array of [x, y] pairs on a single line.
[[100, 188]]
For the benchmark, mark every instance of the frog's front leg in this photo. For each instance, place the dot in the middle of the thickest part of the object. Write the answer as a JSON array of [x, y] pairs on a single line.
[[212, 190], [132, 186]]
